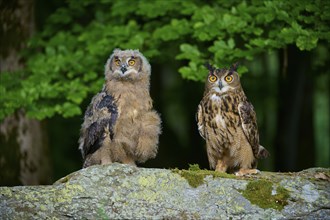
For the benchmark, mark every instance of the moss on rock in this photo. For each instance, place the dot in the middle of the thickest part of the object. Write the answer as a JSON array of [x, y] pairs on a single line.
[[195, 176], [263, 194], [120, 191]]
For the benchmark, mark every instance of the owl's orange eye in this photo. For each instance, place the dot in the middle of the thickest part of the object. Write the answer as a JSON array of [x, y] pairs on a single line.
[[212, 78], [117, 62], [131, 62], [229, 78]]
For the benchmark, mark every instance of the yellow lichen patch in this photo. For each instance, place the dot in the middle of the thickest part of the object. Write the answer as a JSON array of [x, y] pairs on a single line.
[[262, 194], [150, 184], [32, 195], [43, 208], [237, 208], [195, 176], [147, 180], [68, 192], [5, 191], [145, 194]]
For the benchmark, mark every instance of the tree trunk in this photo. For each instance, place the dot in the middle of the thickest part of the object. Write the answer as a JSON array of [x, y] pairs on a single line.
[[295, 147], [24, 157]]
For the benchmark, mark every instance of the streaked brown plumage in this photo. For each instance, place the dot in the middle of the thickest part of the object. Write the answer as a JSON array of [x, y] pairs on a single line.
[[120, 124], [227, 121]]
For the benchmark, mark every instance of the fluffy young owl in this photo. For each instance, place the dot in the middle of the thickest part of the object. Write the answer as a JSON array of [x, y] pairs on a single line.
[[120, 124], [227, 121]]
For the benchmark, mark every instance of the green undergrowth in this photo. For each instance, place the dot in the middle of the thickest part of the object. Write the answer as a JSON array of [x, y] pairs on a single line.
[[195, 176], [263, 194]]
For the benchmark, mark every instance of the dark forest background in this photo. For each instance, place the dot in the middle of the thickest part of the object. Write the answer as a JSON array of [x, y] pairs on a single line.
[[53, 54]]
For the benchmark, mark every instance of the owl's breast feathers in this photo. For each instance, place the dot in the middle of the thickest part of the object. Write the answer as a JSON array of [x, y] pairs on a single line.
[[100, 119], [218, 112], [223, 114]]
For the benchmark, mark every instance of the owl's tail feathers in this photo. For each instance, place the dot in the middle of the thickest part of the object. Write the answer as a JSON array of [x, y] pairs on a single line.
[[263, 153]]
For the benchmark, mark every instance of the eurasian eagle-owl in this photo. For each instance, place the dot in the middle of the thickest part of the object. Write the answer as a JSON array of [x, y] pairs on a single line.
[[120, 124], [227, 121]]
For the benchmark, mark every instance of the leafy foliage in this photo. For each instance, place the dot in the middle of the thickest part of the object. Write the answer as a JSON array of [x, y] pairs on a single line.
[[65, 60]]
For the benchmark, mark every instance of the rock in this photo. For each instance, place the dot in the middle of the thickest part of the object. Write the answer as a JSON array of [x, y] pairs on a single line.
[[124, 192]]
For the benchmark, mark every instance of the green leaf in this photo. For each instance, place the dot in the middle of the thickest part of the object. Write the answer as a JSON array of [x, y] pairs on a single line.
[[69, 110], [306, 42], [65, 60], [188, 51], [231, 43]]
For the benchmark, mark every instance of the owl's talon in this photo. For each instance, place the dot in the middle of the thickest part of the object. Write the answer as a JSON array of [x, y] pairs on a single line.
[[246, 172]]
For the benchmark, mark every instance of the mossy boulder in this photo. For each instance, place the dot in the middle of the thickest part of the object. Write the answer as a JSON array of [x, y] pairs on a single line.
[[123, 192]]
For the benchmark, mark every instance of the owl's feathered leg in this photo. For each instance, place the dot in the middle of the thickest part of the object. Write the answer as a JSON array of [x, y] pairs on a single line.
[[211, 155], [89, 161], [101, 156], [150, 129], [221, 166], [129, 160]]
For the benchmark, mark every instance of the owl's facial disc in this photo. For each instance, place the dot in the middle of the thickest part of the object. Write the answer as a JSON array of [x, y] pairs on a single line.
[[125, 67]]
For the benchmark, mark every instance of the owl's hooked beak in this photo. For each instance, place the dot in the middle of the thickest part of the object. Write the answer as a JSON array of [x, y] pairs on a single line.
[[220, 84], [123, 68]]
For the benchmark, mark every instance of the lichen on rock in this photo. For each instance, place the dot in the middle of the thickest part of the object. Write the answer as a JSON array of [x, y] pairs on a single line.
[[119, 191]]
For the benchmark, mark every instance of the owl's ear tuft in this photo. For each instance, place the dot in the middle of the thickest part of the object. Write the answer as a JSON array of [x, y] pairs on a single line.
[[234, 67], [209, 67]]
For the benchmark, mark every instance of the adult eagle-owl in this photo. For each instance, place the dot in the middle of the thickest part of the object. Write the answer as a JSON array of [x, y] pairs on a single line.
[[228, 123], [120, 124]]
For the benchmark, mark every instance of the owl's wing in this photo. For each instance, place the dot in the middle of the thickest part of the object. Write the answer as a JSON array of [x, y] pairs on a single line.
[[200, 121], [99, 121], [249, 125]]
